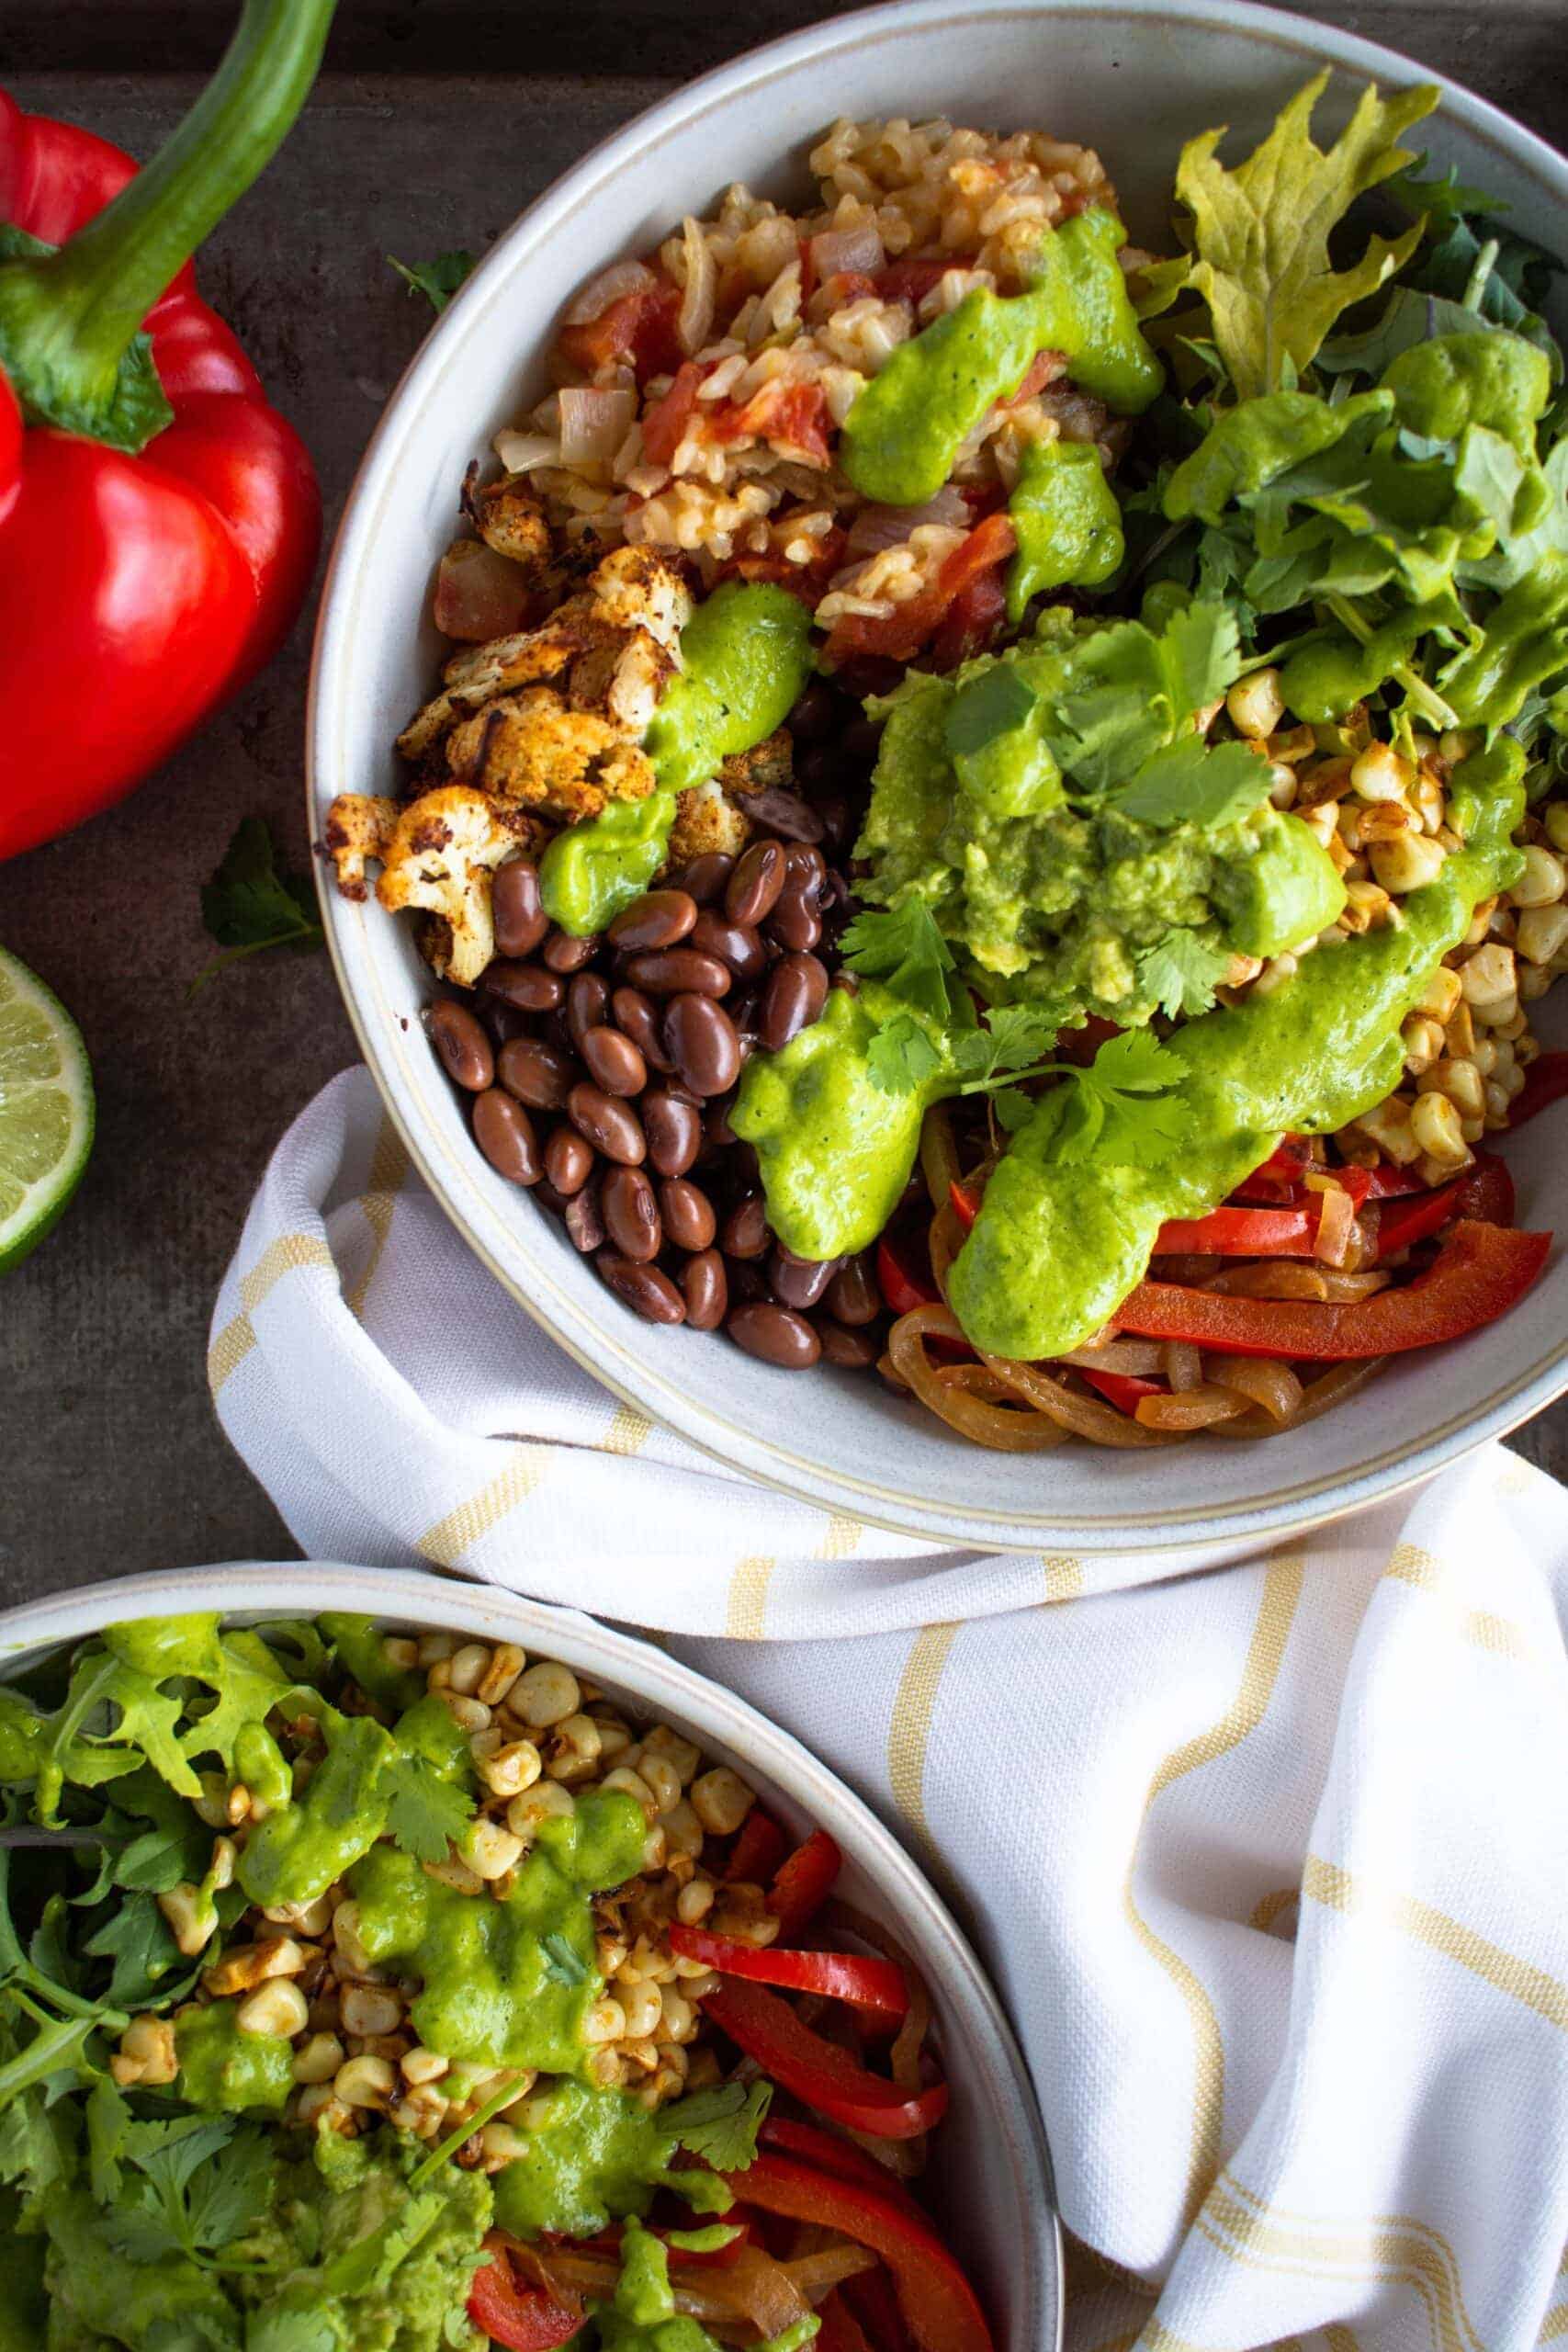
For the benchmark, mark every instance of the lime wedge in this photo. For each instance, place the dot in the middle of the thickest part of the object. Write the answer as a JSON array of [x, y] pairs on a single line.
[[46, 1110]]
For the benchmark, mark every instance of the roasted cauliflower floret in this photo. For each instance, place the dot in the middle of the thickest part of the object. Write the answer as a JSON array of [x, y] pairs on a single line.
[[767, 766], [635, 587], [706, 819], [623, 680], [508, 517], [531, 749], [441, 855], [359, 826]]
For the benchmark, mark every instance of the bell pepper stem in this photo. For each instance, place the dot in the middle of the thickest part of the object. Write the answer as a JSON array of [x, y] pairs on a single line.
[[70, 317]]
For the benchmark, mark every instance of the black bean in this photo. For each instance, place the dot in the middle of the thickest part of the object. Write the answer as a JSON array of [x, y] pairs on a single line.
[[820, 770], [568, 1161], [527, 986], [717, 1132], [583, 1222], [610, 1127], [466, 1053], [504, 1132], [776, 1336], [739, 944], [546, 1194], [853, 1350], [656, 919], [503, 1022], [700, 1039], [861, 741], [674, 1131], [614, 1062], [537, 1073], [748, 1281], [564, 954], [853, 1294], [704, 878], [795, 993], [631, 1213], [587, 1005], [653, 1294], [818, 714], [679, 971], [744, 1233], [688, 1214], [638, 1016], [519, 921], [794, 923], [707, 1290], [753, 888], [784, 812], [799, 1281]]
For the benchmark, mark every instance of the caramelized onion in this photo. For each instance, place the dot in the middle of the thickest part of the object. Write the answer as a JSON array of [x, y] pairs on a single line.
[[939, 1155], [1189, 1408], [1183, 1367], [1292, 1278], [1273, 1385], [1069, 1408], [1320, 1395], [621, 277], [1134, 1359], [694, 322], [1007, 1431]]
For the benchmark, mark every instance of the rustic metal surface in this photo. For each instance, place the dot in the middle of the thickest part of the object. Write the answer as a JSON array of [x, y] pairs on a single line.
[[436, 122]]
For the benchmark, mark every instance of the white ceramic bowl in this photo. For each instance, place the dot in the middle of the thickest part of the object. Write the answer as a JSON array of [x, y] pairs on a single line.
[[991, 2174], [1134, 78]]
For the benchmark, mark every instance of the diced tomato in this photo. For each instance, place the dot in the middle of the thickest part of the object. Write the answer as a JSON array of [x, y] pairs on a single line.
[[970, 622], [1546, 1082], [900, 635], [638, 328], [758, 1848], [665, 424], [843, 286], [911, 281], [1043, 370], [803, 1883], [870, 1983], [1481, 1272], [1123, 1389], [791, 417], [522, 2318]]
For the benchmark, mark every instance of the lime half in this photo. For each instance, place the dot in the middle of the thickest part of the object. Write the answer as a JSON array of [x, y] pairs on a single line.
[[46, 1110]]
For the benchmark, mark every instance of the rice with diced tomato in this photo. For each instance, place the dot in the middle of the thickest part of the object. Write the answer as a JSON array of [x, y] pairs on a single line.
[[700, 388]]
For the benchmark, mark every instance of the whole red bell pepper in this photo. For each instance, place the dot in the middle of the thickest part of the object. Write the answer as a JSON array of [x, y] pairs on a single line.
[[159, 522]]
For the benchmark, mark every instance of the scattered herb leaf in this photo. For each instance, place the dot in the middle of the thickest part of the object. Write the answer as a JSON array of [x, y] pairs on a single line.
[[254, 901], [438, 280]]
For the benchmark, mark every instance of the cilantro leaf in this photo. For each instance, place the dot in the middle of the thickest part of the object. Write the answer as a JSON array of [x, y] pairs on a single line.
[[438, 280], [904, 948], [994, 703], [1128, 690], [1013, 1038], [1119, 1110], [562, 1965], [1182, 972], [719, 2125], [425, 1813], [1260, 232], [1191, 781], [901, 1056], [201, 2183], [252, 901], [1013, 1109]]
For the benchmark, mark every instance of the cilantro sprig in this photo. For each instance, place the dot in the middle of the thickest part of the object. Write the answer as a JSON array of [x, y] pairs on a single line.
[[254, 901], [719, 2125], [190, 2186], [438, 280]]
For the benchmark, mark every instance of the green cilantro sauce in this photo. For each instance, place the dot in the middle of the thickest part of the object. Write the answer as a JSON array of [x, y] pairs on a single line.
[[1057, 1245], [593, 2156], [223, 2070], [745, 658], [507, 1981], [642, 2315], [1067, 522], [903, 432]]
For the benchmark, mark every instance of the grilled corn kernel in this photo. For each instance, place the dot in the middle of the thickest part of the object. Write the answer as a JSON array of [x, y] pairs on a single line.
[[1542, 881], [491, 1850], [1380, 774], [507, 1663], [605, 2021], [1435, 1123], [277, 2007], [721, 1801], [695, 1902], [547, 1694], [1440, 994], [1255, 705], [547, 1801], [507, 1770], [352, 1955], [318, 2059], [370, 2009], [364, 2082], [468, 1669], [1408, 862], [1542, 933]]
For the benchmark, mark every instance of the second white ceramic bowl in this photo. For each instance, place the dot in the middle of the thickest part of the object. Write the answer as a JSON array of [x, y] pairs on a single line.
[[1134, 78], [990, 2180]]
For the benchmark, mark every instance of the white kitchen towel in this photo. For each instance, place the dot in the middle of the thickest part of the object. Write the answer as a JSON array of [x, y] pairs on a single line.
[[1269, 1862]]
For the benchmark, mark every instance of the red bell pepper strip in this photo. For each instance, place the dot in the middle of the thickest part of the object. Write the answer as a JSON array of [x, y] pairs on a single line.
[[1277, 1178], [758, 1848], [158, 521], [902, 1288], [1240, 1233], [1482, 1271], [1485, 1191], [934, 2297], [837, 1975], [825, 2152], [805, 1881], [524, 2318], [872, 2297], [817, 2072], [840, 2331], [1546, 1082], [1121, 1389], [965, 1203]]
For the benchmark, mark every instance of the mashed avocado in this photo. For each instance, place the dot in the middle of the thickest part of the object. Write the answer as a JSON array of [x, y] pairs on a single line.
[[1058, 904]]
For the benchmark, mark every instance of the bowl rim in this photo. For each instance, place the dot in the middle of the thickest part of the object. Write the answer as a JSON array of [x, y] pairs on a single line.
[[253, 1589], [1308, 1502]]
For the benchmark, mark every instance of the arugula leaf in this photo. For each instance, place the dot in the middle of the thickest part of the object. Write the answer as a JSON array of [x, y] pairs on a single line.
[[719, 2125], [1260, 232], [1408, 318], [1442, 200], [903, 947], [1191, 781], [1182, 972], [562, 1965], [254, 901], [425, 1813], [438, 280], [136, 1937], [901, 1056]]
